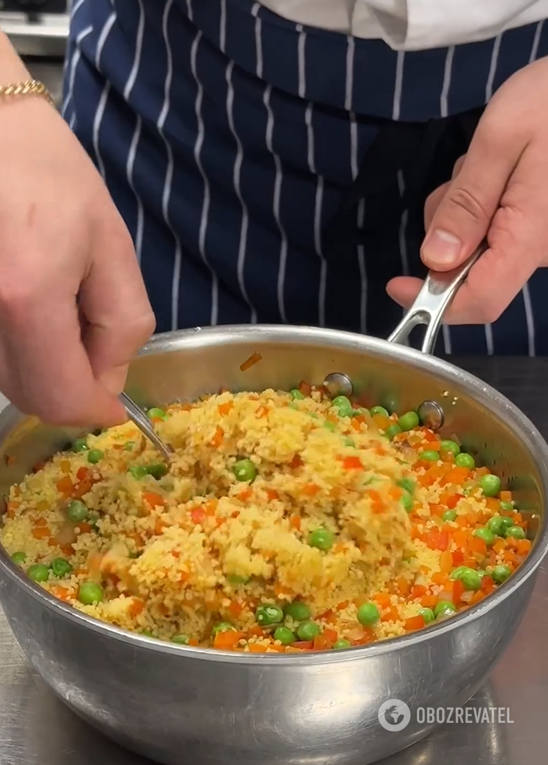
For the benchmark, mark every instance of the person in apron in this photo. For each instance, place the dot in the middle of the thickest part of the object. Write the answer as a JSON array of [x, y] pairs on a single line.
[[271, 170]]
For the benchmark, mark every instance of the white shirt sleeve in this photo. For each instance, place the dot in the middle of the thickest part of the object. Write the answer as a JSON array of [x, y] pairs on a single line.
[[420, 24]]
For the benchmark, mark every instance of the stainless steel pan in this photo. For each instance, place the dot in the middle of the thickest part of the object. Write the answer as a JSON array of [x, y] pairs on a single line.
[[181, 705]]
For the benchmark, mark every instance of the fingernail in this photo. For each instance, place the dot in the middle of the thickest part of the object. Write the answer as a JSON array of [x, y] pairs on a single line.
[[441, 248]]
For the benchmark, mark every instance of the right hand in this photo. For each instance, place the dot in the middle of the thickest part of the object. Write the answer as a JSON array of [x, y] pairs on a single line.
[[73, 306]]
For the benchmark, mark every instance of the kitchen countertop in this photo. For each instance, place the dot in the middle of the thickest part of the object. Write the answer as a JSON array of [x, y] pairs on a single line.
[[36, 729]]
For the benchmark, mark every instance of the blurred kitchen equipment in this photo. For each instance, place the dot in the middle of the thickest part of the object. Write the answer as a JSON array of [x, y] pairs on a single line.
[[177, 704]]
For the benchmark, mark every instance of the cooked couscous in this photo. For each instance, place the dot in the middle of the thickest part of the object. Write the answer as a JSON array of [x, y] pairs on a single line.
[[286, 522]]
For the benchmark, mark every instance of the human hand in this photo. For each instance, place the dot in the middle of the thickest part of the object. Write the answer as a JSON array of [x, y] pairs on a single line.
[[499, 192], [73, 306]]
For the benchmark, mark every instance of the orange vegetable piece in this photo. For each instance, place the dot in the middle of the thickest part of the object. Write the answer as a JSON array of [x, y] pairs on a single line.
[[295, 522], [429, 601], [477, 545], [304, 388], [63, 593], [404, 586], [137, 606], [251, 361], [272, 494], [310, 489], [382, 599], [458, 591], [228, 640], [65, 485], [296, 462], [414, 623], [446, 562], [153, 499], [524, 546], [235, 608], [417, 591], [304, 645], [457, 476], [82, 488], [505, 496], [218, 438], [352, 463], [41, 532], [225, 408]]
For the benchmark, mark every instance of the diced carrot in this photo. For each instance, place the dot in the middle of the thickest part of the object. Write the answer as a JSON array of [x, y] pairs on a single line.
[[505, 496], [429, 601], [458, 590], [83, 527], [395, 492], [63, 593], [67, 550], [262, 412], [225, 408], [193, 642], [440, 578], [295, 522], [257, 631], [153, 499], [352, 463], [417, 591], [458, 557], [251, 361], [65, 485], [227, 640], [82, 473], [403, 586], [487, 585], [477, 545], [296, 462], [381, 421], [446, 562], [310, 489], [40, 522], [481, 471], [320, 643], [136, 607], [437, 540], [272, 494], [493, 505], [518, 518], [218, 437], [524, 546], [235, 608], [41, 532], [11, 508], [477, 597], [198, 515], [82, 488], [304, 388], [390, 615], [414, 623], [382, 599], [456, 476], [415, 533], [304, 645]]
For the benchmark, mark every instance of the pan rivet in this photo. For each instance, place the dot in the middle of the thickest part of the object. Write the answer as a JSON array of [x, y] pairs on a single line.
[[338, 384], [431, 415]]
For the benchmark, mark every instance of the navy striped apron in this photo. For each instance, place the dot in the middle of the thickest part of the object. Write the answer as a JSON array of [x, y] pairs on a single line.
[[273, 172]]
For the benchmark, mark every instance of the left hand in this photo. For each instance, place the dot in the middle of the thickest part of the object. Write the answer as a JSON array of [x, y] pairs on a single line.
[[499, 191]]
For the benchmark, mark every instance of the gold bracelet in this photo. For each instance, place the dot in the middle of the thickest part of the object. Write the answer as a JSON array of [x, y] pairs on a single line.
[[27, 88]]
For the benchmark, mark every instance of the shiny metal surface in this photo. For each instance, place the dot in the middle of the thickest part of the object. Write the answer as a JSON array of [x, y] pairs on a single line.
[[182, 705], [44, 36], [436, 294], [139, 418]]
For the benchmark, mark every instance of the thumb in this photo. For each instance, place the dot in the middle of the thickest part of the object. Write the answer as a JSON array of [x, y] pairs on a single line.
[[464, 214]]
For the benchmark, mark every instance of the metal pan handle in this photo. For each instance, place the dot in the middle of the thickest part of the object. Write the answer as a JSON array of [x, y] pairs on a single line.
[[436, 294]]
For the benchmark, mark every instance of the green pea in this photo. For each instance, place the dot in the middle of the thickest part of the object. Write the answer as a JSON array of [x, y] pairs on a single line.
[[157, 414], [80, 445], [221, 627], [244, 470], [343, 405], [347, 441], [496, 525], [298, 611], [471, 579], [490, 485], [408, 484], [329, 425], [449, 515], [146, 633], [236, 579], [158, 470], [19, 557], [427, 614], [429, 455], [506, 524], [450, 447], [267, 615], [77, 511], [60, 567], [459, 571], [137, 471], [392, 431], [323, 539], [95, 456], [465, 461], [90, 593], [379, 410], [444, 608], [38, 572], [407, 501], [297, 395], [501, 573], [341, 644], [284, 635], [516, 532], [485, 534], [408, 421], [508, 506], [368, 614], [129, 446], [180, 639], [308, 630]]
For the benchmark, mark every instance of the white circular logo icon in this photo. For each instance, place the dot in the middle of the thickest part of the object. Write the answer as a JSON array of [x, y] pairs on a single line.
[[394, 715]]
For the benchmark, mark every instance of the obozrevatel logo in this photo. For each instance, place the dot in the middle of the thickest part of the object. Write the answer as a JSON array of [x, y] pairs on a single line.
[[394, 715]]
